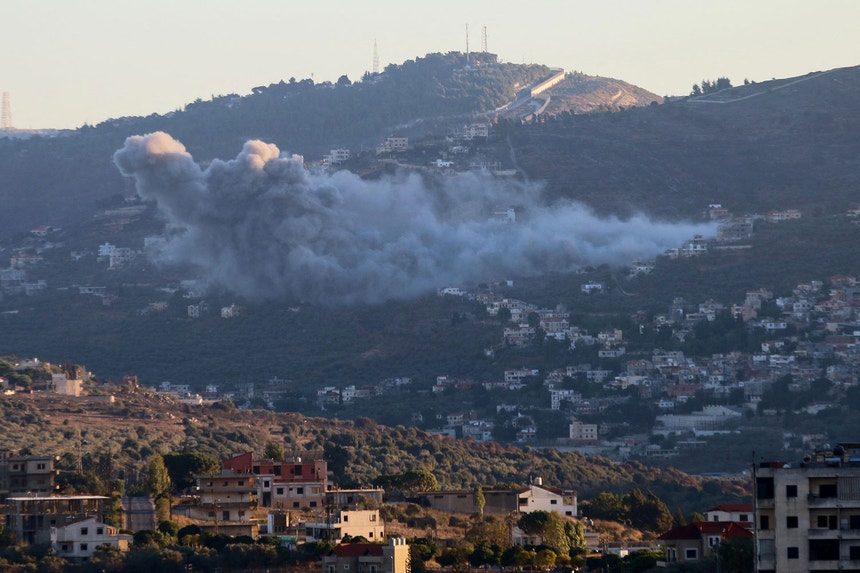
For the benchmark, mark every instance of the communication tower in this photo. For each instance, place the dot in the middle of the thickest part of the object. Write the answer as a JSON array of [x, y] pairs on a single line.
[[375, 58], [6, 114], [484, 39], [467, 44]]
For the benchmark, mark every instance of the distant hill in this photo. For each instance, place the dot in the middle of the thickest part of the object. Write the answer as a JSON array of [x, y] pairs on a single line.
[[792, 143], [60, 180]]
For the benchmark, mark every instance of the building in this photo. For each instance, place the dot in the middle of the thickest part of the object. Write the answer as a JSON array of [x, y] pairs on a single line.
[[78, 539], [225, 503], [32, 518], [289, 484], [26, 475], [536, 497], [739, 512], [807, 513], [334, 527], [65, 386], [368, 558], [698, 541]]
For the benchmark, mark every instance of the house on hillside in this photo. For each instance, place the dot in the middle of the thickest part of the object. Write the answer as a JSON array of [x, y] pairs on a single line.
[[698, 541], [536, 497], [78, 539], [739, 512], [368, 558], [354, 523]]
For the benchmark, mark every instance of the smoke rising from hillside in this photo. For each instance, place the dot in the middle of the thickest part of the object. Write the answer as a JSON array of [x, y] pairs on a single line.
[[263, 227]]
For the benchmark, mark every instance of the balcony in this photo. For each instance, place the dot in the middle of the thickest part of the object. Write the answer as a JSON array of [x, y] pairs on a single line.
[[817, 501]]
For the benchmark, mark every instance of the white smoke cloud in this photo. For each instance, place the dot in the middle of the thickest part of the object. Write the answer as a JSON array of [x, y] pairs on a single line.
[[263, 227]]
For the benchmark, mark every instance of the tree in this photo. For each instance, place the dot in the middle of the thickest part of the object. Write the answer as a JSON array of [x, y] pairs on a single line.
[[182, 467], [737, 555], [158, 480], [275, 451], [607, 506], [480, 500]]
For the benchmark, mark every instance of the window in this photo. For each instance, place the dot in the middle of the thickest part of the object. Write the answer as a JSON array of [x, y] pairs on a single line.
[[744, 517], [764, 522], [266, 483], [345, 518], [553, 502], [691, 554], [84, 546], [40, 466], [713, 540], [313, 504], [793, 552], [300, 490], [241, 482], [211, 514], [791, 521], [370, 535], [65, 547], [373, 517], [295, 504], [854, 553], [791, 491], [827, 490], [822, 521], [85, 530], [225, 515], [824, 550], [330, 569], [854, 522], [100, 530], [279, 491], [764, 488]]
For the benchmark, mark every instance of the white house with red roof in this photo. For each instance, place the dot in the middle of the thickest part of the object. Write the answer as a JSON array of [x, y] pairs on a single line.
[[739, 512]]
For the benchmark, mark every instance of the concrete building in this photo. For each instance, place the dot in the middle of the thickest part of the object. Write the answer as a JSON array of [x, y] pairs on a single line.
[[807, 513], [361, 522], [31, 518], [368, 558], [26, 475], [78, 539]]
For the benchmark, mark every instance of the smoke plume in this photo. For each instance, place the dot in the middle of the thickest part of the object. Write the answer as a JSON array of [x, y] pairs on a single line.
[[264, 227]]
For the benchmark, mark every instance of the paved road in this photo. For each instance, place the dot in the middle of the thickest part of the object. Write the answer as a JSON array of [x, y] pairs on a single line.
[[139, 513]]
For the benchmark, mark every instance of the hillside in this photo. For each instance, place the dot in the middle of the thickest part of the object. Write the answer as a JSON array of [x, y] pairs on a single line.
[[123, 435], [60, 180], [789, 143]]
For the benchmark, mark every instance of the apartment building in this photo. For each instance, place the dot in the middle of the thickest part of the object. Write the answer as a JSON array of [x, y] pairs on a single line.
[[807, 513]]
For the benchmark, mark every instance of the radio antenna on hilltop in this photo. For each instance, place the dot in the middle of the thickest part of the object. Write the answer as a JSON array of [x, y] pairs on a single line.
[[6, 114], [467, 44], [484, 39], [375, 58]]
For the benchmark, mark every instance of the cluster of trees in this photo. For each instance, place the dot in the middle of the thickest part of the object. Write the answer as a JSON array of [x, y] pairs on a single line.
[[642, 510], [709, 86]]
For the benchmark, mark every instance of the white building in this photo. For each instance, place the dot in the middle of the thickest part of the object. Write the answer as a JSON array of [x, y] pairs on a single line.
[[78, 539], [538, 498]]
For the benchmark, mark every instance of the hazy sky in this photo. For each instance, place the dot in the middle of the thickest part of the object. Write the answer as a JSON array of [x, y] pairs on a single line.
[[66, 63]]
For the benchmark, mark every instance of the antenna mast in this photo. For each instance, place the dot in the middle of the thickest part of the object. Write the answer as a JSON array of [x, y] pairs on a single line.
[[484, 39], [6, 114], [467, 44], [375, 58]]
